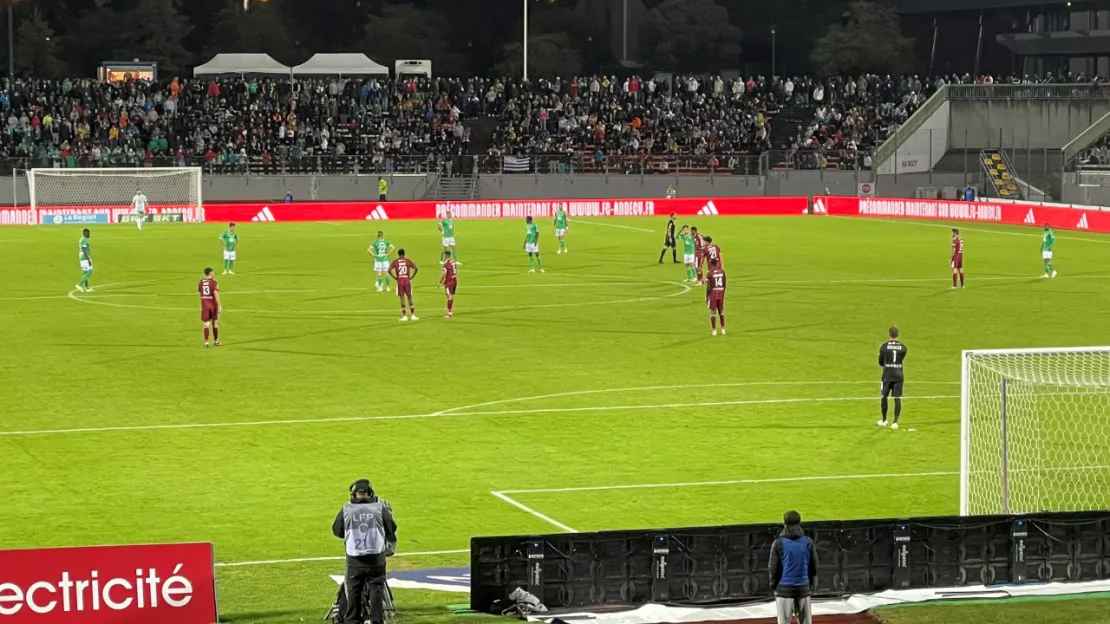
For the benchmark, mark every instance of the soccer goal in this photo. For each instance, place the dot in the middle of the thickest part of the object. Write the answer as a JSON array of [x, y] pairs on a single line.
[[169, 190], [1035, 430]]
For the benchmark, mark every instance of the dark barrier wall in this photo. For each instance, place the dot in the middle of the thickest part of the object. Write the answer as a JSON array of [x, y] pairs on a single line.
[[729, 563]]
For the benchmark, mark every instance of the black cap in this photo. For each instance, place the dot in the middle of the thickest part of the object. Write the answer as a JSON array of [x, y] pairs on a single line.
[[362, 485]]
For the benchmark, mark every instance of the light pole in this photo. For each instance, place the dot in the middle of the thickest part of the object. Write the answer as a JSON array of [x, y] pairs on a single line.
[[11, 40], [773, 51], [525, 44]]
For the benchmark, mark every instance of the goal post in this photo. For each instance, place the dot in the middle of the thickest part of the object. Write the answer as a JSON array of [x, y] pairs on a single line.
[[1034, 430], [169, 190]]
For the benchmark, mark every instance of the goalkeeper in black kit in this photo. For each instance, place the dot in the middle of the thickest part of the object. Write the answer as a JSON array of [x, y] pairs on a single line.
[[892, 355]]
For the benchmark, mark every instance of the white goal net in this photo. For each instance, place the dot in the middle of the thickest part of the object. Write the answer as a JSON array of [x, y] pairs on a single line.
[[1035, 430], [167, 189]]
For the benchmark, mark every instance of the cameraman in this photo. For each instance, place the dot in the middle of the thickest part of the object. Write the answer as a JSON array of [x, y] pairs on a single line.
[[367, 528]]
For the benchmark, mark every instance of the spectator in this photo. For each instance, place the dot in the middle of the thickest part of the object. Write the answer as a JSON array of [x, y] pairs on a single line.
[[793, 571]]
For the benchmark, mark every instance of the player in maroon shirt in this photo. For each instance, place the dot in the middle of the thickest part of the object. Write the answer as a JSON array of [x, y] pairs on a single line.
[[209, 292], [715, 295], [713, 252], [699, 251], [957, 258], [450, 281], [403, 270]]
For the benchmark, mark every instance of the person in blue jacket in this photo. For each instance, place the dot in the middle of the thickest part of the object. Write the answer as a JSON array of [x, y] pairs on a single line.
[[793, 570]]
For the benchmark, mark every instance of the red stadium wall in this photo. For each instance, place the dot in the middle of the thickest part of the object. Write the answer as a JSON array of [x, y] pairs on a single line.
[[503, 209], [1075, 218], [1092, 219]]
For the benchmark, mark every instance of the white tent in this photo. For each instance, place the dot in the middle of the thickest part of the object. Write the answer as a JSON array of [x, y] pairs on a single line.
[[340, 65], [241, 64]]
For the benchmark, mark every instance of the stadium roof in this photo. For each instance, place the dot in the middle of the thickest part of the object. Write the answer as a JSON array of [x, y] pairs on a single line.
[[340, 65], [241, 64]]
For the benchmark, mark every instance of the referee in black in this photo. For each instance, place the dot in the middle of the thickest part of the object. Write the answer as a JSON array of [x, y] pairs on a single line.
[[669, 241], [892, 355], [367, 529]]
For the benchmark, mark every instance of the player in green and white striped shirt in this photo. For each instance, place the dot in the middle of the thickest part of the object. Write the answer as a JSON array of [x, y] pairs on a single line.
[[86, 262], [561, 229]]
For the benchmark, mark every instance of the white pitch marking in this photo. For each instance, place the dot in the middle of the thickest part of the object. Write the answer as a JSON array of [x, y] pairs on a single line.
[[458, 411], [993, 278], [609, 408], [317, 313], [527, 509], [640, 486], [956, 224], [236, 564], [557, 395], [623, 227]]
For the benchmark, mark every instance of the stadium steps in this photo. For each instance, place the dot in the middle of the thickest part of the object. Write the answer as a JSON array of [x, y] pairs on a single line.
[[481, 134], [788, 124], [998, 171], [459, 187]]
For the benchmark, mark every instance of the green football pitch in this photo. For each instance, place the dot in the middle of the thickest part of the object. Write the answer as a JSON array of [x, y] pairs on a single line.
[[588, 397]]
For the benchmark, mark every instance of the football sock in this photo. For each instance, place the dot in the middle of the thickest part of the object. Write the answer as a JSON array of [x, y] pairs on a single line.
[[216, 334], [897, 409], [661, 254], [1048, 268], [722, 321], [387, 282], [450, 304], [961, 278], [206, 330], [562, 245], [442, 255], [378, 282], [85, 278], [230, 265], [883, 404], [713, 321], [674, 254], [539, 262], [955, 279], [699, 273]]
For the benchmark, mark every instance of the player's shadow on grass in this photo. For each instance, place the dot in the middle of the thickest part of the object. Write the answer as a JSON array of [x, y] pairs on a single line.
[[343, 356]]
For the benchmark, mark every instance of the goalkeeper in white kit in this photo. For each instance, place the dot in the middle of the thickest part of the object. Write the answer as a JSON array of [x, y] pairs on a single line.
[[138, 203]]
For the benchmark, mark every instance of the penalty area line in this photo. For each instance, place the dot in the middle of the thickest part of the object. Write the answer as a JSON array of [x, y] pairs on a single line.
[[448, 414], [521, 506]]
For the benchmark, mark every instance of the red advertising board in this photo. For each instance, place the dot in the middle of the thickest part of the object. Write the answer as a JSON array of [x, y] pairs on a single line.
[[1092, 220], [164, 583], [502, 209], [17, 216]]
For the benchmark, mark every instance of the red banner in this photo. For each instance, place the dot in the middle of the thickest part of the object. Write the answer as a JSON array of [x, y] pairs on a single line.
[[1093, 220], [165, 583], [17, 216], [503, 209]]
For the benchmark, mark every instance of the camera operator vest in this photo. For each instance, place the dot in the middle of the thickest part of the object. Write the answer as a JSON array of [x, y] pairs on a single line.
[[363, 531]]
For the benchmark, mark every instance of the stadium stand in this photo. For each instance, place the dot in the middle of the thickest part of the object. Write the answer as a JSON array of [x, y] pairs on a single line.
[[596, 124]]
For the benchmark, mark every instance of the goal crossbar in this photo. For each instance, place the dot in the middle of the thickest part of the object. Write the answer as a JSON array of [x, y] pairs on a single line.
[[113, 187], [1034, 429]]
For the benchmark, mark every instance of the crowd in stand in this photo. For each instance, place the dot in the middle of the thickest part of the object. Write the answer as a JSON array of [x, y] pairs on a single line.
[[600, 121]]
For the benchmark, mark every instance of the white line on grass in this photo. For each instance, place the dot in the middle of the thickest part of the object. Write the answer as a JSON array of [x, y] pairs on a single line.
[[623, 227], [504, 494], [685, 288], [527, 509], [236, 564], [991, 278], [461, 411], [957, 224], [640, 486]]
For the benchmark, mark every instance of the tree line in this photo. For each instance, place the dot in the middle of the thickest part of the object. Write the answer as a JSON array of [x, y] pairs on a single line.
[[57, 38]]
